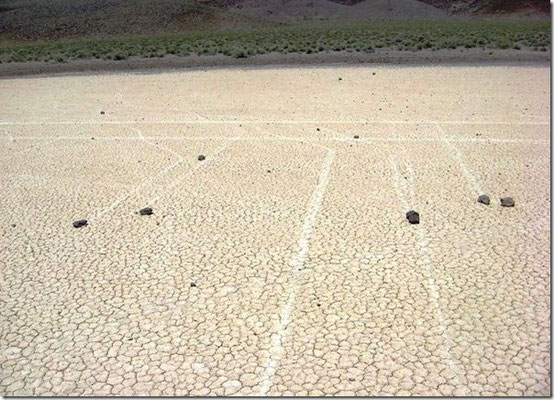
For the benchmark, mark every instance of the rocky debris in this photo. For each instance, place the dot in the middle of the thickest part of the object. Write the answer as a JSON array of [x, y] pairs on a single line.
[[374, 73], [14, 225], [340, 79], [413, 217], [80, 223], [192, 284], [102, 112], [484, 199], [356, 137], [146, 211], [317, 129], [507, 202], [269, 171], [201, 157]]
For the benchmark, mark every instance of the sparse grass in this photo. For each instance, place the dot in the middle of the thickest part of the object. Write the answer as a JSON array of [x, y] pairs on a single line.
[[298, 38]]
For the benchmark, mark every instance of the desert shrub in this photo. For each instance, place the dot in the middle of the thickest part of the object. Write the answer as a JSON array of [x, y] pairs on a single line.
[[239, 53], [119, 56]]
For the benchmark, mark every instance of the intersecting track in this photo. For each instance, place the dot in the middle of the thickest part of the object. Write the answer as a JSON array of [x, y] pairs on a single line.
[[282, 264]]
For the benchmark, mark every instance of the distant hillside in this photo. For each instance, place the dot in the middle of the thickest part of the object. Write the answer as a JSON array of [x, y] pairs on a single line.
[[31, 20], [57, 19], [537, 8]]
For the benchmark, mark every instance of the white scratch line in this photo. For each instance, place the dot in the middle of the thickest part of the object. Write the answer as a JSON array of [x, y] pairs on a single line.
[[136, 189], [287, 138], [148, 140], [456, 155], [198, 166], [425, 256], [283, 122], [297, 263]]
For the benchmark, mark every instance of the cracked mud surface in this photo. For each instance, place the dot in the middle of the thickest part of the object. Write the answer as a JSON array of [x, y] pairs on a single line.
[[282, 264]]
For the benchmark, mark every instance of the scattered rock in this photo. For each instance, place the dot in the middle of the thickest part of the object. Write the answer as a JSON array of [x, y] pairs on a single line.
[[507, 202], [484, 199], [413, 217], [14, 225], [269, 171], [80, 223], [317, 129], [201, 157], [146, 211], [192, 284], [92, 138], [102, 112], [356, 137], [340, 79], [374, 73]]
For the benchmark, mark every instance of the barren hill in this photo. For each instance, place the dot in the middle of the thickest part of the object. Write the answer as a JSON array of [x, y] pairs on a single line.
[[537, 8], [56, 19]]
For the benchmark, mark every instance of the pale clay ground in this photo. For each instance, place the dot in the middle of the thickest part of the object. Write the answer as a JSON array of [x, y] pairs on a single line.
[[309, 280]]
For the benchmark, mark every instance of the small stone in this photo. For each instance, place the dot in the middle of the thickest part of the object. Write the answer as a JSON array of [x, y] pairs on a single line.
[[201, 157], [80, 223], [14, 225], [317, 129], [507, 202], [268, 171], [146, 211], [484, 199], [102, 112], [356, 137], [413, 217], [374, 73], [192, 284], [340, 79]]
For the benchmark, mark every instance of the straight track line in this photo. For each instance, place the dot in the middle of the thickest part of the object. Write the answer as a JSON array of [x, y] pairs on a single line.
[[457, 156], [198, 166], [283, 122], [423, 247], [297, 263], [174, 165], [288, 138]]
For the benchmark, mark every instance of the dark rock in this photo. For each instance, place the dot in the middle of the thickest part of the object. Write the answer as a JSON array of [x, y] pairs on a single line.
[[413, 217], [356, 137], [340, 79], [14, 225], [192, 284], [146, 211], [507, 202], [374, 73], [80, 223], [268, 171], [102, 112], [201, 157], [484, 199], [317, 129]]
